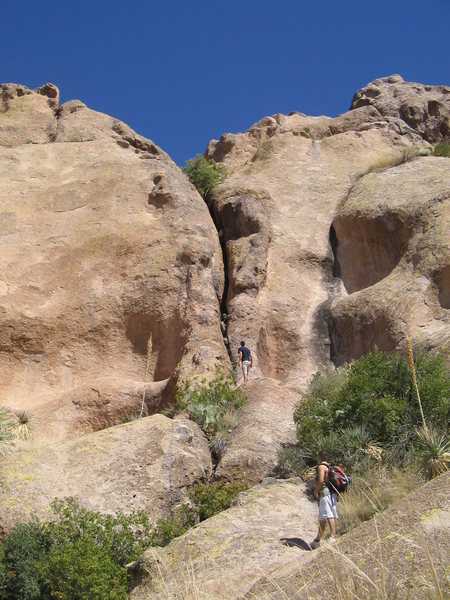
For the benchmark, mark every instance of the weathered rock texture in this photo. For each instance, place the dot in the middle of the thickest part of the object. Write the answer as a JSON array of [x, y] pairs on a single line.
[[104, 243], [240, 553], [144, 465], [425, 108], [378, 555], [331, 249], [226, 555]]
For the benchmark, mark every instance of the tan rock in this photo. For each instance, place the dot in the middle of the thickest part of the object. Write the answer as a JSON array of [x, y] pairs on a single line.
[[225, 555], [26, 116], [290, 176], [144, 464], [104, 242], [393, 252], [424, 108]]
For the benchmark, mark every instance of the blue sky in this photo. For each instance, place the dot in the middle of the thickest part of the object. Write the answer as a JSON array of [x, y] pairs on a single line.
[[182, 72]]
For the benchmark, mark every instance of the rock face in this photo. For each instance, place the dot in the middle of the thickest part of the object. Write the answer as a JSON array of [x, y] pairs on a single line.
[[144, 464], [376, 555], [334, 234], [104, 243], [425, 108], [222, 557], [240, 553]]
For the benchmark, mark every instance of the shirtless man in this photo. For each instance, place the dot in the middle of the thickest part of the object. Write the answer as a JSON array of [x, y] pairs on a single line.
[[245, 360], [327, 502]]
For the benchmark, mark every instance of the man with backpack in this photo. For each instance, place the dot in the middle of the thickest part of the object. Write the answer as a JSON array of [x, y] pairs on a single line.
[[245, 360], [327, 496]]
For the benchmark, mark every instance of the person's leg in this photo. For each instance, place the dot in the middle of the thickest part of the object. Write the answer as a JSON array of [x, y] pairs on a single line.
[[322, 525], [332, 526]]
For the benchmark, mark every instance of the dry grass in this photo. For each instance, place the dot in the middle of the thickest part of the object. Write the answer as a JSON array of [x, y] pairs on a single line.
[[386, 161], [373, 493]]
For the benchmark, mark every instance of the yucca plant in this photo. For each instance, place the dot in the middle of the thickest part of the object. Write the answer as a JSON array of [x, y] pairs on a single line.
[[434, 451], [21, 428]]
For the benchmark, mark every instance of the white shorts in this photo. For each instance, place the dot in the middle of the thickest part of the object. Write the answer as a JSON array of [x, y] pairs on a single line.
[[245, 366], [327, 507]]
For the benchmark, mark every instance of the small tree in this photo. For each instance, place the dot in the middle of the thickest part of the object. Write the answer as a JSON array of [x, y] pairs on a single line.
[[204, 173]]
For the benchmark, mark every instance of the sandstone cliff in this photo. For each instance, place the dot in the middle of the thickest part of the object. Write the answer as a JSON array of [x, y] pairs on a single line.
[[334, 240]]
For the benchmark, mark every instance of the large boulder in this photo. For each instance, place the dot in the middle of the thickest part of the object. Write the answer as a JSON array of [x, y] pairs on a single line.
[[104, 245], [223, 557], [145, 464], [393, 255]]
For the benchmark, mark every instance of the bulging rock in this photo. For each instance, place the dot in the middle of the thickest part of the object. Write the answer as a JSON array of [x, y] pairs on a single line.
[[104, 245], [145, 464], [425, 108]]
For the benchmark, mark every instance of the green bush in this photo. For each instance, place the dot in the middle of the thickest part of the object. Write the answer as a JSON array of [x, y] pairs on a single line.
[[80, 554], [374, 393], [209, 404], [182, 519], [80, 568], [21, 557], [442, 150], [212, 498], [291, 462], [204, 173]]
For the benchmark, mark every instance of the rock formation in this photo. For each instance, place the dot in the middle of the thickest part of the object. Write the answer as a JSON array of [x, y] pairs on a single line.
[[327, 238], [145, 464], [242, 552], [104, 243], [334, 233]]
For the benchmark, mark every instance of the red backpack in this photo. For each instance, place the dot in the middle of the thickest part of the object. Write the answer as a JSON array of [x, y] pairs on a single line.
[[337, 479]]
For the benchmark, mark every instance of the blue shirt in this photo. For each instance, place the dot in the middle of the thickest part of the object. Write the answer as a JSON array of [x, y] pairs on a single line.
[[245, 352]]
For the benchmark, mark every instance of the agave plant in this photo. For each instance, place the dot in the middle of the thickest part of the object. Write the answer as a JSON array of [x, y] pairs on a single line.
[[434, 450], [21, 429]]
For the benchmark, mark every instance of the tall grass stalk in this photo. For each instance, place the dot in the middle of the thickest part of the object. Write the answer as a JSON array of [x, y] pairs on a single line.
[[414, 378], [149, 354]]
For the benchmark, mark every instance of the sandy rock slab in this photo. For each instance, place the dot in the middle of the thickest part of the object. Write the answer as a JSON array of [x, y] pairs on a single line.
[[144, 464], [265, 424], [221, 558], [403, 553]]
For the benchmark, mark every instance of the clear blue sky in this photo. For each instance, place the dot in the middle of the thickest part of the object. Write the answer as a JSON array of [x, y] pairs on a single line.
[[184, 71]]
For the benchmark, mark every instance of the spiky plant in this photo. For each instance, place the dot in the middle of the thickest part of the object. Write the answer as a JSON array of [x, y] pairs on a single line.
[[434, 451], [21, 428]]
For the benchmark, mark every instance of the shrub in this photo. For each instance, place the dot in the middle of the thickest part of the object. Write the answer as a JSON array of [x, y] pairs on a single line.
[[80, 568], [21, 558], [291, 462], [210, 403], [442, 149], [212, 498], [376, 394], [182, 519], [204, 173], [81, 554]]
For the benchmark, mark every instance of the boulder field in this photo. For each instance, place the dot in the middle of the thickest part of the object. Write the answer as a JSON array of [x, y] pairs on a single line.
[[328, 237]]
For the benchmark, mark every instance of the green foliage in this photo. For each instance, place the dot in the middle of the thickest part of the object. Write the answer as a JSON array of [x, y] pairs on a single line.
[[291, 462], [442, 149], [212, 498], [433, 451], [81, 554], [204, 173], [21, 562], [182, 519], [80, 568], [210, 403], [371, 401]]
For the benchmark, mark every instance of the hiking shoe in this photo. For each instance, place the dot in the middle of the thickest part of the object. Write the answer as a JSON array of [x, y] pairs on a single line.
[[331, 540], [314, 544]]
